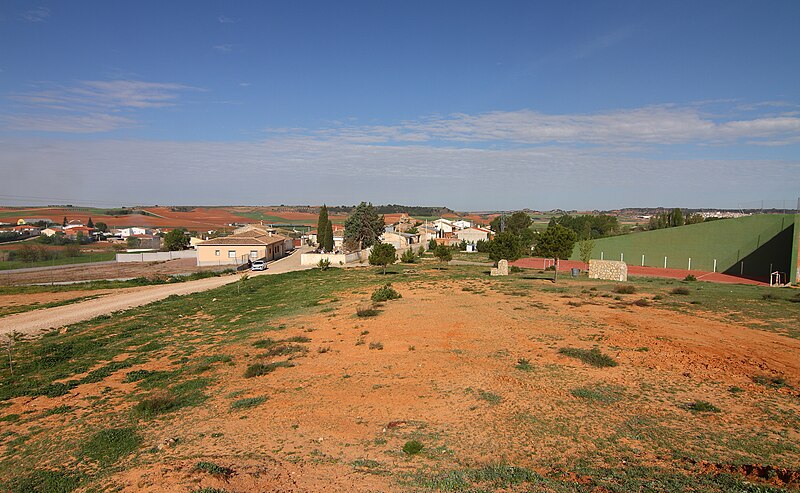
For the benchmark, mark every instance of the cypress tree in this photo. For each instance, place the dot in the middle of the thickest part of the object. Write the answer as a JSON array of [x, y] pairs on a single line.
[[329, 237], [90, 224], [322, 226], [64, 222]]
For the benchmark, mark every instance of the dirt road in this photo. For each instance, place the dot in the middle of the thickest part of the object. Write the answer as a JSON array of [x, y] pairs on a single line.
[[37, 321]]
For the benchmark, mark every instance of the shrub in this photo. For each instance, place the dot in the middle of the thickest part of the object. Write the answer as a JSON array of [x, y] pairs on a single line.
[[680, 290], [259, 369], [589, 356], [523, 364], [247, 402], [642, 302], [489, 397], [408, 257], [160, 403], [323, 264], [376, 345], [385, 293], [690, 278], [412, 447], [366, 311], [213, 469], [625, 289], [702, 407]]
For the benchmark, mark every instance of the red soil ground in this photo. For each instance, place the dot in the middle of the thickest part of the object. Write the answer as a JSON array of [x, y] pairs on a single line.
[[635, 270]]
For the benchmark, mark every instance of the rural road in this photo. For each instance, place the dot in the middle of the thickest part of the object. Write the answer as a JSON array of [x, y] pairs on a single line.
[[36, 321]]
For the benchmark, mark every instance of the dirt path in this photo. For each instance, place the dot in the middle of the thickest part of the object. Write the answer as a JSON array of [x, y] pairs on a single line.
[[36, 321]]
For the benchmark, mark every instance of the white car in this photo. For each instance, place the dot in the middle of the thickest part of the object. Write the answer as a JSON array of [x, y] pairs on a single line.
[[258, 265]]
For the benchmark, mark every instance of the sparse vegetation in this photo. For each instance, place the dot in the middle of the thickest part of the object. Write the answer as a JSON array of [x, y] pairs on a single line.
[[367, 311], [412, 447], [385, 293], [259, 369], [376, 345], [109, 446], [625, 289], [523, 364], [214, 469], [680, 290], [589, 356], [247, 402], [702, 407]]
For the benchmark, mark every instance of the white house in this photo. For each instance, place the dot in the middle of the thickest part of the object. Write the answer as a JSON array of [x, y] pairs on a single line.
[[401, 241], [125, 232], [473, 235], [443, 226], [461, 224]]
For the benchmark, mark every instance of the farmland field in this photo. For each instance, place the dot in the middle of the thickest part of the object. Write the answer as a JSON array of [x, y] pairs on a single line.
[[466, 383]]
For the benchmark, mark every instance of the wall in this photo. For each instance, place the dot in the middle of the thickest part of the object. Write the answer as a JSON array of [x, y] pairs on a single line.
[[206, 256], [758, 240], [609, 270], [155, 256], [334, 258]]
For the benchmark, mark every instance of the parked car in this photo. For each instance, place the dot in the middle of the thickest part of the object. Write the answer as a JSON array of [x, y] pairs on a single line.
[[258, 265]]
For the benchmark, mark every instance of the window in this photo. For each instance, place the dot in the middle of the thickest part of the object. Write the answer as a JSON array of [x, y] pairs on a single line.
[[231, 253], [253, 253], [216, 253]]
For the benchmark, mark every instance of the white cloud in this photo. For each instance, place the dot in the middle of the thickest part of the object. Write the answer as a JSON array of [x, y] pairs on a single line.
[[39, 14], [89, 106], [223, 48], [226, 20]]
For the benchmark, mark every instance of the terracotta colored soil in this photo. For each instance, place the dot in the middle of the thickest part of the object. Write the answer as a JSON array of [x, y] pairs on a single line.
[[445, 352], [636, 270]]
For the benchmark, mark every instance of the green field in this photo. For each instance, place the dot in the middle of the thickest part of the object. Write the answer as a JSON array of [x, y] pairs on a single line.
[[747, 246], [82, 259]]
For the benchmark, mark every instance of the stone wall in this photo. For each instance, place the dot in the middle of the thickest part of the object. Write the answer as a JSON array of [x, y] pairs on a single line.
[[609, 270]]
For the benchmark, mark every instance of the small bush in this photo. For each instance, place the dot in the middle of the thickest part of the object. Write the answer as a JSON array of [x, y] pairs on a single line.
[[324, 264], [259, 369], [385, 293], [625, 289], [680, 290], [408, 257], [702, 407], [323, 349], [412, 447], [247, 402], [376, 345], [523, 364], [515, 270], [160, 403], [214, 469], [690, 278], [285, 350], [366, 311], [642, 302], [489, 397], [589, 356], [769, 381]]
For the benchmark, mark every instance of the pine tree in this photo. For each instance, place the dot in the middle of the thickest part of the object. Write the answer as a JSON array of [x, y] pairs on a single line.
[[90, 224], [329, 237]]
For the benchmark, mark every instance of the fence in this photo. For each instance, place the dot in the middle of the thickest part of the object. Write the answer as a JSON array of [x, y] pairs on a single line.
[[155, 256]]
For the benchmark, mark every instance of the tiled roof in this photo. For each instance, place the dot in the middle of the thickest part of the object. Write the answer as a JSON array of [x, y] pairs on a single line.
[[252, 237]]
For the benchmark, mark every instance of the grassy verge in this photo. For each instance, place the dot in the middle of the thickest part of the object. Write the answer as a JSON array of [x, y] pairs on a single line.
[[81, 259]]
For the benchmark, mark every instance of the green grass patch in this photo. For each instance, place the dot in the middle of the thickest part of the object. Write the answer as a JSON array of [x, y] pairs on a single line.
[[213, 469], [45, 481], [412, 447], [247, 402], [598, 393], [702, 407], [489, 397], [591, 357], [83, 258], [523, 365], [111, 445]]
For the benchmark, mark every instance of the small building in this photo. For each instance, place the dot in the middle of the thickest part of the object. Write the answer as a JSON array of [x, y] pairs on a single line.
[[241, 248], [443, 226], [400, 241], [462, 224], [52, 230], [473, 235]]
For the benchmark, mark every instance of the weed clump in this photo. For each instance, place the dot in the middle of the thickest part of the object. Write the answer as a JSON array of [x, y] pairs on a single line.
[[160, 403], [768, 381], [589, 356], [247, 402], [680, 290], [625, 289], [385, 293], [366, 311], [702, 407], [376, 345], [523, 364], [259, 369], [213, 469], [642, 302], [690, 278], [412, 447]]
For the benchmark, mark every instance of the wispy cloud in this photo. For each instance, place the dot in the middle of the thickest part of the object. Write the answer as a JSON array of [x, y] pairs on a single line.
[[39, 14], [89, 106], [652, 125], [223, 19], [604, 42], [223, 48]]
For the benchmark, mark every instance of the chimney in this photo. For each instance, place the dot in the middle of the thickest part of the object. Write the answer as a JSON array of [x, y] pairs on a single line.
[[270, 233]]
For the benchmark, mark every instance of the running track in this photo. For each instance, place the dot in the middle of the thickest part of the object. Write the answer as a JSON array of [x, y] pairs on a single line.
[[635, 270]]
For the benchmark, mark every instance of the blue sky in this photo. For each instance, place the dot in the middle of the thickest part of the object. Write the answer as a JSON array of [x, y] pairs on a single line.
[[472, 105]]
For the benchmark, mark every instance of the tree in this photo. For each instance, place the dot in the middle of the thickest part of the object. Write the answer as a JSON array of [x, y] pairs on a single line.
[[443, 253], [505, 245], [585, 248], [382, 254], [176, 240], [408, 256], [322, 225], [695, 219], [676, 218], [90, 224], [364, 227], [64, 222], [101, 226], [133, 242], [515, 223], [432, 244], [556, 242], [328, 245]]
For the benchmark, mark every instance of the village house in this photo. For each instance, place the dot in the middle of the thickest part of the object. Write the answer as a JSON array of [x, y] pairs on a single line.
[[473, 235], [242, 248], [400, 241], [52, 230]]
